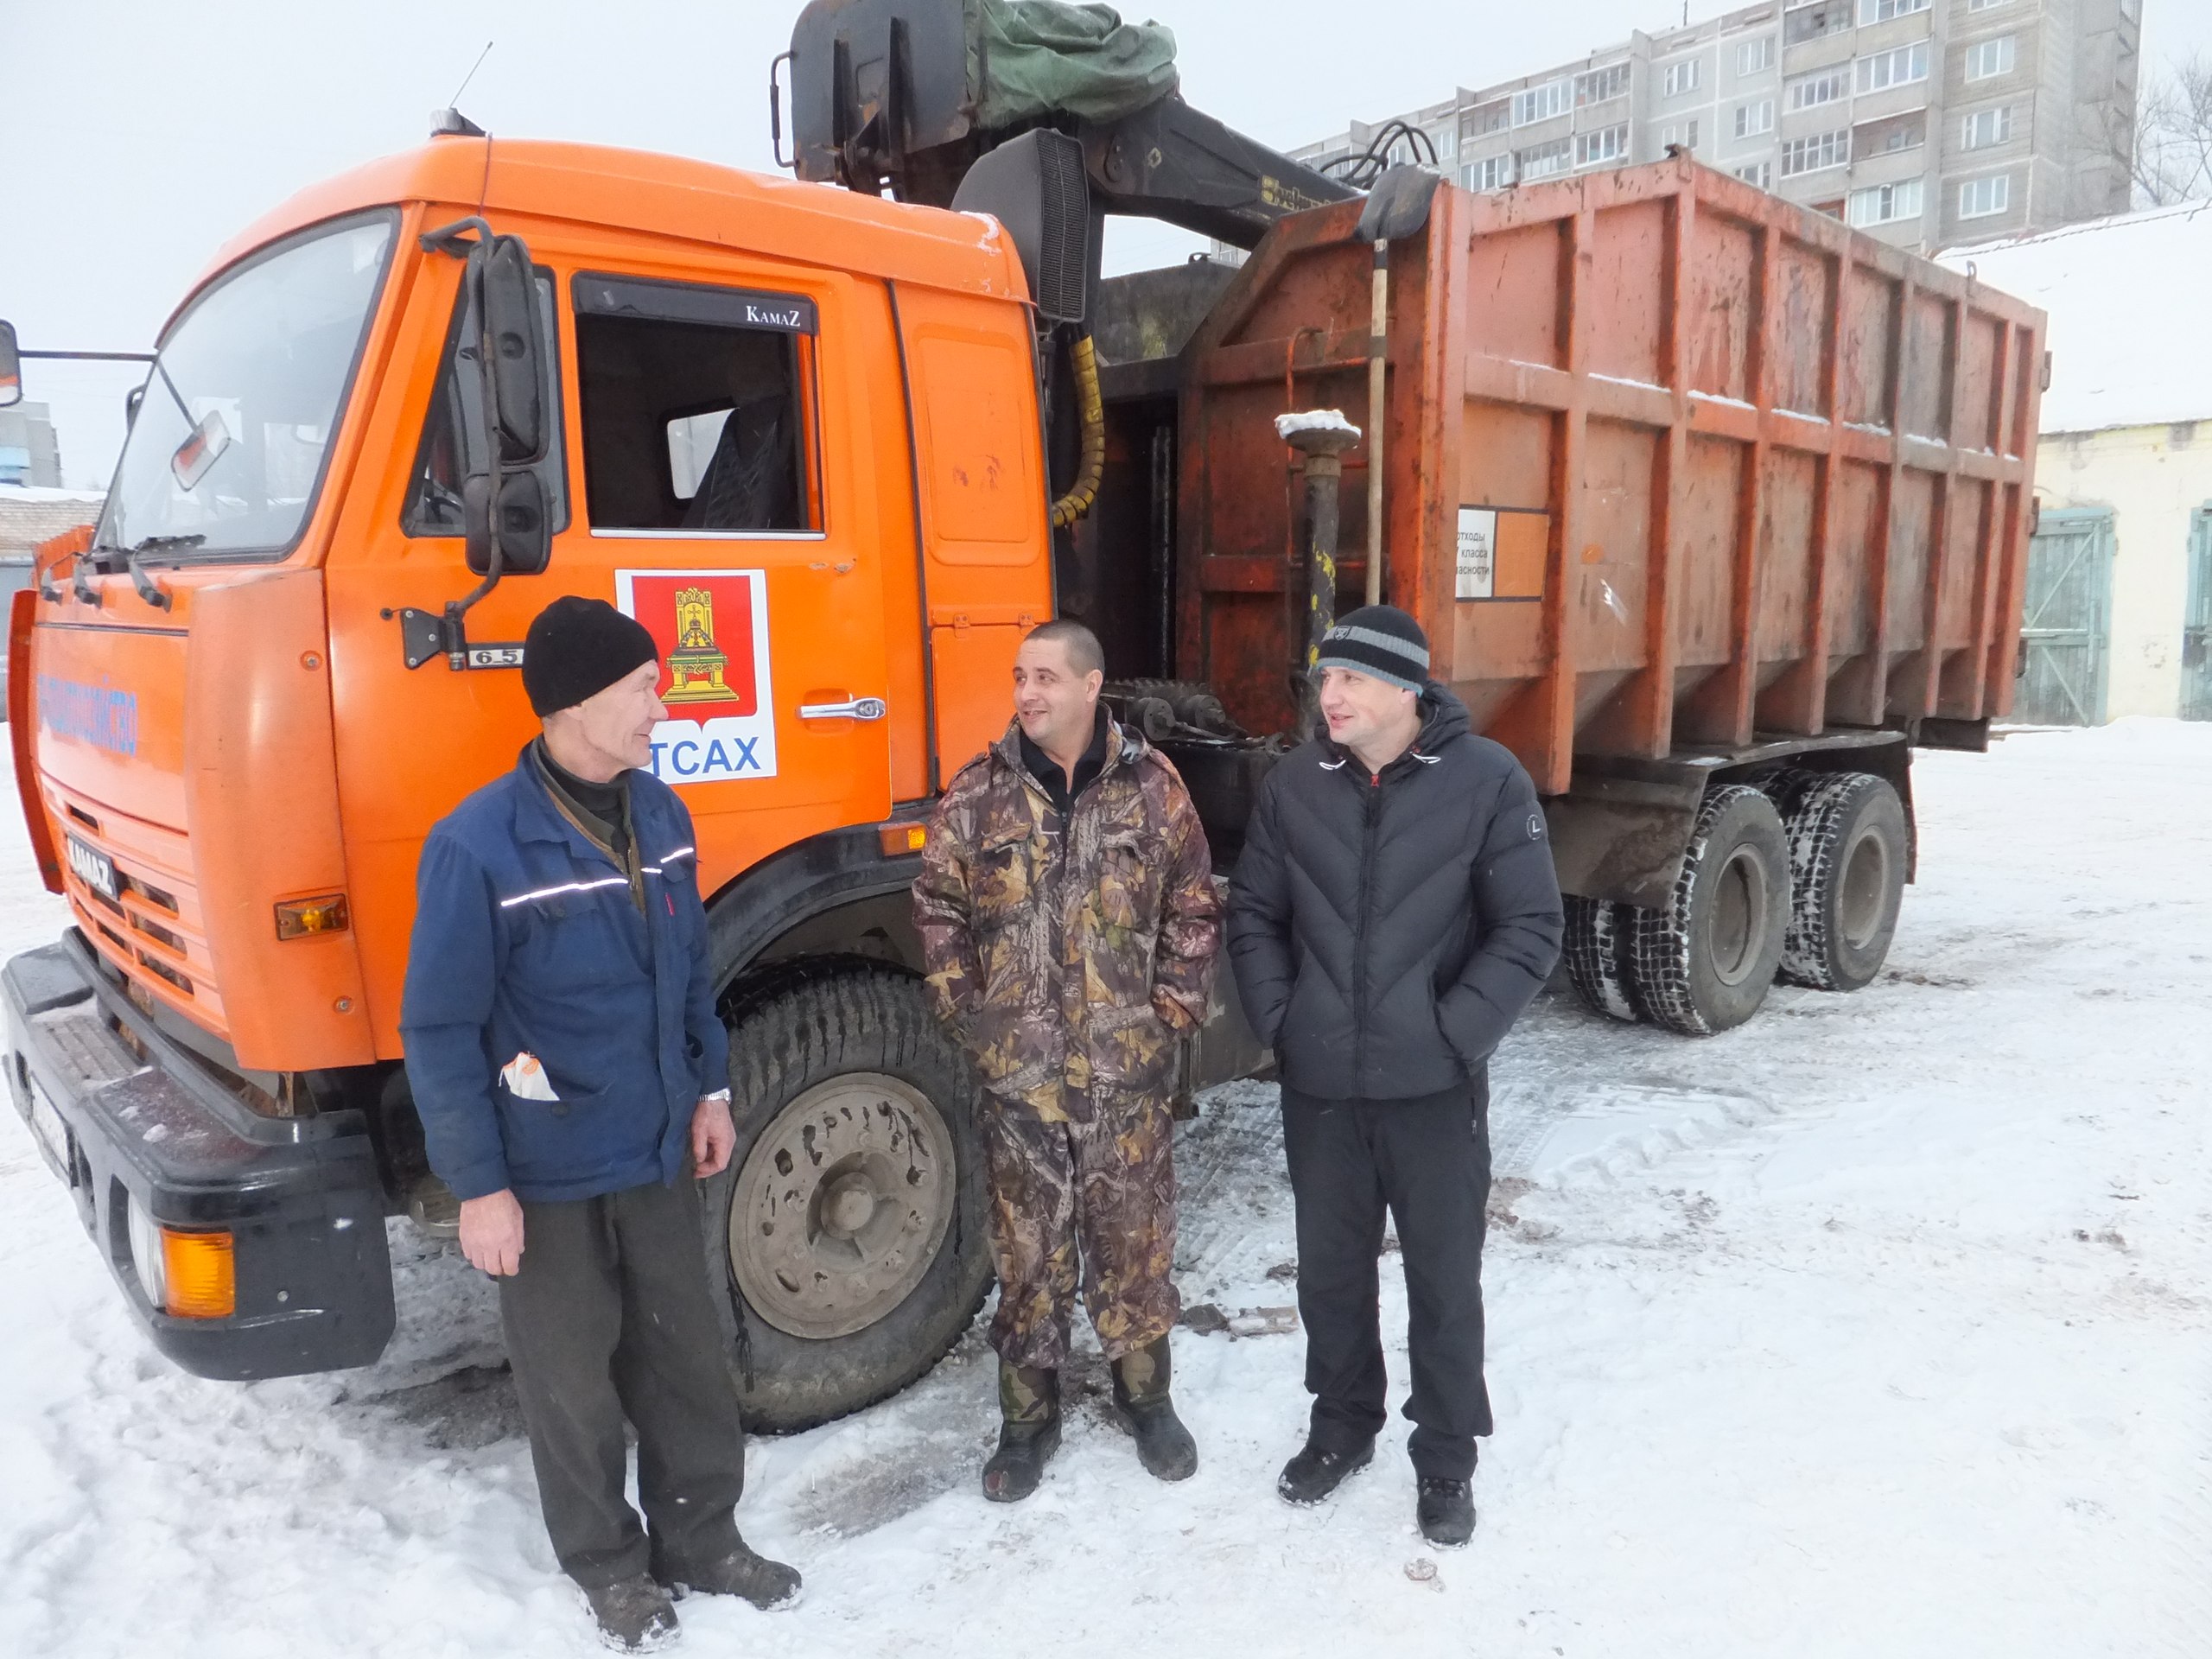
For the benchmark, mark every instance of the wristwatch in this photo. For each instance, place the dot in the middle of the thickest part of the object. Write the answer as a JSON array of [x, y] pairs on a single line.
[[723, 1095]]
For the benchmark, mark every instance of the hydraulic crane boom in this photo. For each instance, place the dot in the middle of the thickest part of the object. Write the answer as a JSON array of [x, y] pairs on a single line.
[[910, 93]]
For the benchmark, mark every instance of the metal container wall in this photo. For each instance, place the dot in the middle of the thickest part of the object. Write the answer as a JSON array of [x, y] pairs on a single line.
[[1724, 467]]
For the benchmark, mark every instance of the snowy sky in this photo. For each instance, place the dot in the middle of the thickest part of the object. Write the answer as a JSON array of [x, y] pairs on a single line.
[[142, 135]]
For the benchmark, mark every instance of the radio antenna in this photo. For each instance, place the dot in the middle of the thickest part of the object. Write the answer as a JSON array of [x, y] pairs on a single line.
[[453, 102]]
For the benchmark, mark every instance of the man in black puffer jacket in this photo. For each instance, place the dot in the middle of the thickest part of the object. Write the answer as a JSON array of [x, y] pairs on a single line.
[[1394, 911]]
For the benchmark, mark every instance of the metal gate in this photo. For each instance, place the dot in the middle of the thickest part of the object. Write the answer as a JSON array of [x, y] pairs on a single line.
[[2197, 625], [2066, 628]]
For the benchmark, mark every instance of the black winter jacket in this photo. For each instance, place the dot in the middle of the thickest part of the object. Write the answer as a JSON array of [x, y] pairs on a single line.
[[1386, 934]]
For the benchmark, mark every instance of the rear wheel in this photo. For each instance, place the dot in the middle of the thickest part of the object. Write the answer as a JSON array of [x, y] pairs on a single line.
[[1597, 956], [1702, 962], [1847, 853], [848, 1237]]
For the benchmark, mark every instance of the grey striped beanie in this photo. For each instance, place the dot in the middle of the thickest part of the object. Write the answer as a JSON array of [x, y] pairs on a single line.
[[1380, 641]]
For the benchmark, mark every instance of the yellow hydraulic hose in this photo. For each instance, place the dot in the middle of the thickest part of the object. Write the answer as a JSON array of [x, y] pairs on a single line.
[[1085, 491]]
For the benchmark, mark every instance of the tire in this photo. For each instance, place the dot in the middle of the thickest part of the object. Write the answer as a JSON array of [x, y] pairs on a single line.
[[1847, 856], [1597, 932], [847, 1240], [1702, 962]]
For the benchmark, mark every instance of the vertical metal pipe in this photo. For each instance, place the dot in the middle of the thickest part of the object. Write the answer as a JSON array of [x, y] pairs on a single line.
[[1377, 347], [1321, 437]]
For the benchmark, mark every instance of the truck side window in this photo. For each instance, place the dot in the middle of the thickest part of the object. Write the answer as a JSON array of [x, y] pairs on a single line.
[[696, 408], [453, 434]]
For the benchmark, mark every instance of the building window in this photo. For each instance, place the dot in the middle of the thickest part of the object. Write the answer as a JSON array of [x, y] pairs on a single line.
[[1543, 161], [1683, 133], [1680, 78], [1752, 56], [1540, 103], [1810, 92], [1755, 117], [1606, 144], [1899, 68], [1908, 131], [1880, 12], [1980, 198], [1987, 59], [1814, 152], [1492, 173], [1985, 5], [1803, 24], [1986, 127], [1601, 86], [1489, 118], [1759, 174], [1886, 203], [1446, 138]]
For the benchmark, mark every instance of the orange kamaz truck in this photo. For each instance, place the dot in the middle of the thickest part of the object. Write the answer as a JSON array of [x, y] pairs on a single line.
[[1713, 506]]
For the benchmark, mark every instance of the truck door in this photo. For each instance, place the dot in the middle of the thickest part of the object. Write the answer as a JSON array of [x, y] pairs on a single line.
[[726, 480]]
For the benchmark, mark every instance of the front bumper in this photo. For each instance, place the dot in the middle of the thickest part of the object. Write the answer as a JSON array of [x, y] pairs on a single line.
[[144, 1122]]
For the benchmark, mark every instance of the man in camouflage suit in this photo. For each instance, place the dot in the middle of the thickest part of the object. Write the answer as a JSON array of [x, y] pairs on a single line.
[[1070, 924]]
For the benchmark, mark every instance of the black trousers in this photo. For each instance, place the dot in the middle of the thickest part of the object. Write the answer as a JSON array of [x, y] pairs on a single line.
[[610, 1318], [1428, 1162]]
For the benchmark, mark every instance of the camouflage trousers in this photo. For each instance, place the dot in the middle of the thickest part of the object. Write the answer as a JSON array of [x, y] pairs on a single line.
[[1102, 1193]]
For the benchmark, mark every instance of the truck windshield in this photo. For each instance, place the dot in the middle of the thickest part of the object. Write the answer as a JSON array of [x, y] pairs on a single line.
[[226, 450]]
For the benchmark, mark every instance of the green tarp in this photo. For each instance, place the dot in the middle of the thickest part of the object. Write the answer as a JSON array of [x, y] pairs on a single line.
[[1030, 57]]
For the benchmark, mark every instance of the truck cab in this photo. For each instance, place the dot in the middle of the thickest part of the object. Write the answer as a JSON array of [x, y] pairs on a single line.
[[793, 431]]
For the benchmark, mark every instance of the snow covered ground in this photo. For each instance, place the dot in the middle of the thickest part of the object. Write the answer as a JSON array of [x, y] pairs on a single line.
[[1883, 1326]]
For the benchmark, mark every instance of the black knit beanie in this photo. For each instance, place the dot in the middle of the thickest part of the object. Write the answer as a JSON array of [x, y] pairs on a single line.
[[578, 647], [1380, 641]]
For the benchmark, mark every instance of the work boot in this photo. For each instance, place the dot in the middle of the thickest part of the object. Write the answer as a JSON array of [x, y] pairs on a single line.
[[1445, 1509], [1141, 1402], [768, 1584], [634, 1615], [1318, 1470], [1029, 1403]]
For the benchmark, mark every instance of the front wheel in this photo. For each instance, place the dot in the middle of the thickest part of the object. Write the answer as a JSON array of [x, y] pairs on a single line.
[[846, 1239]]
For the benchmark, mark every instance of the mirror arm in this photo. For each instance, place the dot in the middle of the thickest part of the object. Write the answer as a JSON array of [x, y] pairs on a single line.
[[447, 238]]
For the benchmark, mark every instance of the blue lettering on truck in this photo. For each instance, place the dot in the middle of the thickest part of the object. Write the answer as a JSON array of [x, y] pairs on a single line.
[[98, 714]]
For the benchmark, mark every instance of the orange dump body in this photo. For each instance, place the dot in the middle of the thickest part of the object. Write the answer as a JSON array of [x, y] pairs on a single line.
[[1671, 466]]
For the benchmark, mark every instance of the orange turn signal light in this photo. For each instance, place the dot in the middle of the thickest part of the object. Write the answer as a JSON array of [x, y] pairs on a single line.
[[298, 917], [899, 839], [202, 1275]]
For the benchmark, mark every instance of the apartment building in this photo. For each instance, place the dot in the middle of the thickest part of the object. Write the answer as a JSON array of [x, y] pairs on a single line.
[[1930, 124]]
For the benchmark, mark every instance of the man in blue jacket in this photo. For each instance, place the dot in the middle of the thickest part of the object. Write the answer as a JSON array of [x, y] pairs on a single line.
[[568, 1067], [1395, 912]]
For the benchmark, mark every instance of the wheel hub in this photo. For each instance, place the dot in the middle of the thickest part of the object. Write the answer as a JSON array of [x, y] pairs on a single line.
[[841, 1204], [1739, 917]]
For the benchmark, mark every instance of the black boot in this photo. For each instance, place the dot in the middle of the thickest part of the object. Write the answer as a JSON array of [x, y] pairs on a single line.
[[1029, 1403], [634, 1615], [1445, 1509], [1141, 1402], [1318, 1470], [768, 1584]]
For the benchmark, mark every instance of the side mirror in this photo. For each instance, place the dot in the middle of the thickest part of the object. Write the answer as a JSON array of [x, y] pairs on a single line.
[[11, 368], [518, 521], [509, 298]]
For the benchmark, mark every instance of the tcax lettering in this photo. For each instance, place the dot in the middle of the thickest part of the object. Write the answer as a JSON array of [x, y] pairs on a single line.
[[715, 758]]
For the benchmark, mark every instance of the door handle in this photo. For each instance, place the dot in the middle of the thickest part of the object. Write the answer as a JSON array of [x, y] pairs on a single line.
[[857, 709]]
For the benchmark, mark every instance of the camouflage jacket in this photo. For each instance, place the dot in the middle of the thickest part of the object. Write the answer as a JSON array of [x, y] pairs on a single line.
[[1068, 962]]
